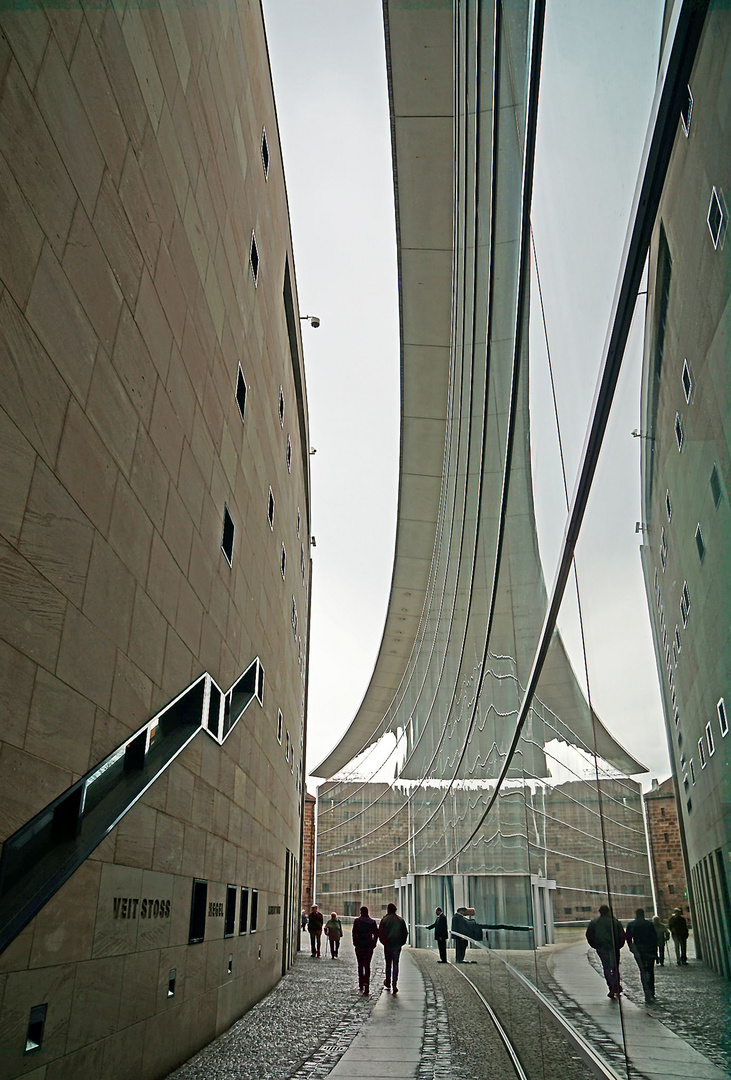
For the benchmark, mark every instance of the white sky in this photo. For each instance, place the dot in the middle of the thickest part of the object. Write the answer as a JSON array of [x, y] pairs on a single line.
[[328, 66]]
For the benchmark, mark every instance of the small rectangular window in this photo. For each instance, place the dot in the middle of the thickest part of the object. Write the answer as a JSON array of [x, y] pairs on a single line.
[[702, 753], [689, 805], [294, 616], [241, 393], [198, 905], [715, 218], [281, 407], [265, 153], [254, 258], [668, 505], [715, 486], [679, 431], [270, 510], [699, 543], [686, 112], [289, 454], [709, 740], [676, 717], [172, 977], [692, 770], [254, 910], [280, 720], [286, 748], [722, 720], [229, 921], [36, 1024], [299, 522], [687, 382], [678, 643], [684, 603], [243, 911], [227, 540], [283, 562], [663, 548]]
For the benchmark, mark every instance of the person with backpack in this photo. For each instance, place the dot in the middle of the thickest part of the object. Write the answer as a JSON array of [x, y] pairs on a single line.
[[365, 939], [393, 935]]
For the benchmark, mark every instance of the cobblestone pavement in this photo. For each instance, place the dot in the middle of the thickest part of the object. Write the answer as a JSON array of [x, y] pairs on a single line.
[[692, 1000], [300, 1029]]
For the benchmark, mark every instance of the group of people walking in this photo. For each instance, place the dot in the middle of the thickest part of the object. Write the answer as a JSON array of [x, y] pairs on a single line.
[[392, 932], [646, 939]]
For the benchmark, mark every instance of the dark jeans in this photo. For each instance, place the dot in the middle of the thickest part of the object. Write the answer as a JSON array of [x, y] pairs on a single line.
[[680, 947], [442, 946], [315, 936], [661, 953], [392, 960], [334, 946], [460, 948], [364, 967], [610, 967], [646, 964]]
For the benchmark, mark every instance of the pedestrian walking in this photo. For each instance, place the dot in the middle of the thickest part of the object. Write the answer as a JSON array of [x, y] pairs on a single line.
[[662, 934], [441, 933], [314, 925], [678, 927], [393, 935], [333, 933], [642, 940], [303, 918], [605, 934], [365, 939], [463, 928]]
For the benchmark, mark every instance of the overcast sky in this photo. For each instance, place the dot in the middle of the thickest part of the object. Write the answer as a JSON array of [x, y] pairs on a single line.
[[598, 77]]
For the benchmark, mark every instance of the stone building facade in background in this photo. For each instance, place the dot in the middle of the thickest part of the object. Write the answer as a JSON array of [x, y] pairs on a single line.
[[308, 852], [666, 852], [154, 536]]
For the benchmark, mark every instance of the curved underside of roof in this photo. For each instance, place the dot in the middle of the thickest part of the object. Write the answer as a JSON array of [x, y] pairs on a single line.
[[421, 62]]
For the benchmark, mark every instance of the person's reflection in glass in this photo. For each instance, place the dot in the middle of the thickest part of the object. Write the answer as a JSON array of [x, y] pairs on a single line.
[[605, 934]]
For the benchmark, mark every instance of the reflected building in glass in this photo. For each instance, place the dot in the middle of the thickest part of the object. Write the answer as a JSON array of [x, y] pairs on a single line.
[[686, 473]]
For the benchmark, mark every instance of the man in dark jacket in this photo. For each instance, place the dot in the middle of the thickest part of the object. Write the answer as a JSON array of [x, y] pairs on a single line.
[[393, 935], [441, 933], [605, 934], [642, 940], [314, 925], [365, 939], [678, 927], [464, 927]]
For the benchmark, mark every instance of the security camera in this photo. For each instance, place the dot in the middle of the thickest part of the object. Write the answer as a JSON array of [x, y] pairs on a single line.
[[314, 322]]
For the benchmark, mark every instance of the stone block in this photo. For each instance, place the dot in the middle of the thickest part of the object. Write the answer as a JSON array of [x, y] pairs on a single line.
[[153, 325], [194, 853], [123, 1053], [158, 183], [28, 785], [139, 988], [131, 694], [27, 31], [95, 90], [23, 990], [140, 211], [110, 593], [136, 837], [60, 724], [88, 270], [189, 617], [163, 581], [147, 637], [155, 914], [177, 666], [18, 460], [65, 23], [170, 292], [173, 159], [65, 931], [96, 1001], [178, 529], [179, 803], [21, 238], [113, 53], [135, 368], [143, 62], [130, 531], [31, 609], [149, 479], [112, 413], [89, 1061], [63, 328], [118, 240], [86, 658], [17, 677], [169, 838]]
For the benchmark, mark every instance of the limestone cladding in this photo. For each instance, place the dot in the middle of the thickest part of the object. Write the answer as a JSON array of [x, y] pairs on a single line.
[[308, 852], [668, 868], [146, 275]]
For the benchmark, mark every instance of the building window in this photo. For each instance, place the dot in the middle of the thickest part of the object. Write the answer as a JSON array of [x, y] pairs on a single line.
[[715, 486], [254, 258], [686, 113], [299, 522], [692, 770], [229, 921], [227, 539], [241, 393], [286, 747], [676, 717], [689, 805], [283, 563], [685, 603], [679, 431], [671, 888], [668, 505], [254, 910], [270, 510], [280, 719], [294, 616], [699, 542], [687, 381], [678, 644], [702, 753], [244, 910], [172, 976], [686, 782], [709, 740], [669, 863], [36, 1024], [289, 454], [663, 548], [715, 218], [281, 407], [722, 720], [265, 152], [198, 905]]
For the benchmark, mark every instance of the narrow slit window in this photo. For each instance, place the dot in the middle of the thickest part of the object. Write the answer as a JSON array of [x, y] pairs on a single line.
[[241, 393], [230, 917], [281, 407], [289, 454], [686, 599], [715, 486], [668, 506], [302, 562], [692, 776], [687, 112], [172, 977], [280, 720], [679, 431], [299, 522], [36, 1024], [254, 910], [676, 717], [715, 218], [687, 381], [663, 548], [702, 753], [265, 152], [283, 563], [709, 740], [678, 643], [699, 543], [243, 911], [286, 747], [198, 904], [270, 510], [722, 719], [254, 258], [227, 539], [294, 616]]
